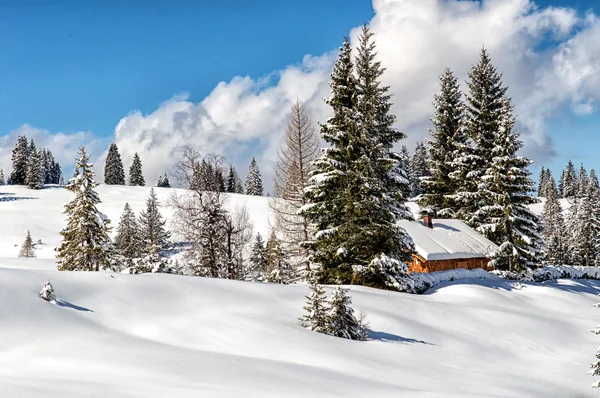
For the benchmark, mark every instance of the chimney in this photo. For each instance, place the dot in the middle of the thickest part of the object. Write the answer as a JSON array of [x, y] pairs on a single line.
[[427, 216]]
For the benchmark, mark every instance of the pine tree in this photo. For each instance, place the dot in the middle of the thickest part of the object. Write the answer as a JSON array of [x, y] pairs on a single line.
[[253, 180], [506, 191], [27, 250], [2, 182], [351, 202], [114, 173], [316, 316], [20, 156], [135, 172], [419, 169], [342, 322], [569, 183], [447, 140], [86, 244], [47, 292], [128, 242], [553, 225], [35, 174], [154, 236], [258, 261]]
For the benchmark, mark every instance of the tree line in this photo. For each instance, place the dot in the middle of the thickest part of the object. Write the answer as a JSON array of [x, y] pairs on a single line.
[[31, 166]]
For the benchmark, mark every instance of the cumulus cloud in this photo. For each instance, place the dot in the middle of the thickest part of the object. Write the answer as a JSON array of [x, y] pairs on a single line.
[[550, 57]]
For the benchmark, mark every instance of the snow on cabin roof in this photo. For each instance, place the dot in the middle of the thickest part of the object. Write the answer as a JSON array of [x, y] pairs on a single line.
[[448, 240]]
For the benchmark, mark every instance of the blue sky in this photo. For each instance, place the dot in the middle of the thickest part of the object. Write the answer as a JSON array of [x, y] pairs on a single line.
[[82, 65], [70, 66]]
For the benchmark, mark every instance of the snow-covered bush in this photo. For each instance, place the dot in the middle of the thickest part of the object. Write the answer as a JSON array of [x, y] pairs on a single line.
[[47, 292], [551, 272]]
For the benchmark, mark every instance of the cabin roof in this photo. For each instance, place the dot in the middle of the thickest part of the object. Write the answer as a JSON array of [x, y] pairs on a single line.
[[449, 239]]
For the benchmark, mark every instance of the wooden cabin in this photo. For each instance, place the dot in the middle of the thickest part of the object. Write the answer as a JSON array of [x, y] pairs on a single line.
[[445, 244]]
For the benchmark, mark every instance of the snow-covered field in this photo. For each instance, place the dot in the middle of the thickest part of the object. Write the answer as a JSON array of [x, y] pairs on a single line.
[[153, 335]]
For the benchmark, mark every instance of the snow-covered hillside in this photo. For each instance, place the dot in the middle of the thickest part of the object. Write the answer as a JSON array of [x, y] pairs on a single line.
[[40, 211], [157, 335]]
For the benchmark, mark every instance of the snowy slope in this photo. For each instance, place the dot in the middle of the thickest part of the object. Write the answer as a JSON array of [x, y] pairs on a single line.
[[159, 335], [41, 212]]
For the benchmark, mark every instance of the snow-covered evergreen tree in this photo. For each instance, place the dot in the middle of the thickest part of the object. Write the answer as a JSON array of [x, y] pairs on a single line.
[[85, 245], [35, 173], [543, 182], [114, 173], [595, 366], [568, 184], [27, 249], [352, 227], [2, 181], [20, 156], [47, 292], [584, 224], [231, 180], [316, 317], [136, 178], [253, 180], [128, 242], [506, 192], [279, 269], [448, 138], [553, 225], [239, 185], [257, 267], [163, 181], [419, 169], [153, 234], [342, 322]]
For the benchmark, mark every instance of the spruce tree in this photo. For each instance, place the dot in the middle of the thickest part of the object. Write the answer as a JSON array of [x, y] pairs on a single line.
[[342, 322], [352, 228], [2, 182], [253, 180], [114, 173], [568, 184], [239, 185], [506, 190], [543, 182], [231, 180], [419, 169], [20, 156], [584, 224], [483, 114], [257, 267], [153, 234], [85, 245], [135, 172], [165, 181], [35, 173], [27, 249], [279, 269], [128, 242], [447, 140], [316, 308], [553, 226]]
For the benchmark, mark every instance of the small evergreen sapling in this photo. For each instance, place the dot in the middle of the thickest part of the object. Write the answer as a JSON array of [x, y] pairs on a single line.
[[27, 250], [316, 316], [279, 268], [342, 322], [47, 292]]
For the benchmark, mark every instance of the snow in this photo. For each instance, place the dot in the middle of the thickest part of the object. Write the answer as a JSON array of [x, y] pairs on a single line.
[[448, 239], [158, 335]]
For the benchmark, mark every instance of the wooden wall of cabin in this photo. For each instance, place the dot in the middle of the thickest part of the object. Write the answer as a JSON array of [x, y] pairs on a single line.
[[418, 265]]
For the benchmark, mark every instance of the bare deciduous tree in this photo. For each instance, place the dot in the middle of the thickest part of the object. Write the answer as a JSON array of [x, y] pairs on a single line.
[[238, 231], [292, 171]]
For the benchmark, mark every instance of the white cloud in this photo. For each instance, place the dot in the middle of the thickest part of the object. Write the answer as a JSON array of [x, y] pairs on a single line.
[[549, 56]]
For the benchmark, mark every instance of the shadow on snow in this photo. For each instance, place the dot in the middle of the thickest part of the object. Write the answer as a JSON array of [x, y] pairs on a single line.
[[383, 336], [66, 304]]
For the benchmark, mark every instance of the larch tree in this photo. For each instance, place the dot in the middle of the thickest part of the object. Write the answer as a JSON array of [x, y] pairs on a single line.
[[136, 178], [27, 249], [20, 156], [507, 191], [553, 226], [292, 170], [114, 173], [85, 244], [447, 140], [254, 180]]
